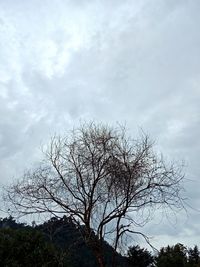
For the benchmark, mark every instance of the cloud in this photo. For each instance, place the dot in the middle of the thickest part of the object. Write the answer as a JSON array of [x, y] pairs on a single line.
[[62, 61]]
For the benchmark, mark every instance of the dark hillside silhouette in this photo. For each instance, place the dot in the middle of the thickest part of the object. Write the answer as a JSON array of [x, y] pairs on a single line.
[[60, 242]]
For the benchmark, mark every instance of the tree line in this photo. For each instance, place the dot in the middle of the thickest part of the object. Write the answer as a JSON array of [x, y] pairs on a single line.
[[58, 242]]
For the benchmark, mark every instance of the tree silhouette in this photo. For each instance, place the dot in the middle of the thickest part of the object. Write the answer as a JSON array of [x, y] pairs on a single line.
[[26, 247], [140, 257], [174, 256], [102, 179], [193, 257]]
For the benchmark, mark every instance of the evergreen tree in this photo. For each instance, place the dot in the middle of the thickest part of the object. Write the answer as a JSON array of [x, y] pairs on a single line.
[[193, 257], [26, 247], [174, 256], [139, 257]]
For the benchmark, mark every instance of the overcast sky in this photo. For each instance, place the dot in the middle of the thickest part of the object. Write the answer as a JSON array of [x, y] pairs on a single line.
[[111, 61]]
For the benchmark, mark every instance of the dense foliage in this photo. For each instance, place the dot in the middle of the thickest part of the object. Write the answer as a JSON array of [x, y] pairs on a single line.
[[59, 242], [71, 239], [25, 247], [178, 256], [140, 257]]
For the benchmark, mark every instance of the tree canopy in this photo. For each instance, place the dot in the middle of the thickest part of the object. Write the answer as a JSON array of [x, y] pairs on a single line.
[[26, 247], [178, 256], [140, 257]]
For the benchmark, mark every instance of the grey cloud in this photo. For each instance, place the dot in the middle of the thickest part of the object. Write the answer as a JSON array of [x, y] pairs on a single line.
[[105, 60]]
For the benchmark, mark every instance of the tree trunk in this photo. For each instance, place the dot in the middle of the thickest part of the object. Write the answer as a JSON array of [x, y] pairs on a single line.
[[99, 258], [113, 259], [95, 245]]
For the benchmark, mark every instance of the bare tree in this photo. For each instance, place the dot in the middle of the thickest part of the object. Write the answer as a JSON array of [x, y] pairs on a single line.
[[102, 179]]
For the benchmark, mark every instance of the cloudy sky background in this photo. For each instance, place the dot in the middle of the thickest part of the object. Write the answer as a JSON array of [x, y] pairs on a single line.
[[111, 61]]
